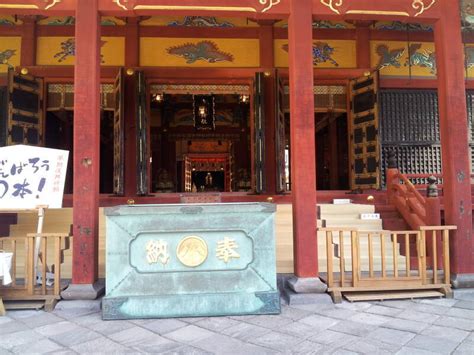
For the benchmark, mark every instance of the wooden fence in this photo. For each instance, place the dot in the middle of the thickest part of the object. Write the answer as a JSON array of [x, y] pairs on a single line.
[[380, 260]]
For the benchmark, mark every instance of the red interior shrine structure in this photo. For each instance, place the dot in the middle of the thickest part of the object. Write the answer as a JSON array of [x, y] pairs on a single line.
[[300, 101]]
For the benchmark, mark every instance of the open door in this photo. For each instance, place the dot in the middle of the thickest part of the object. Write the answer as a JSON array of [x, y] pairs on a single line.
[[259, 132], [24, 122], [364, 139], [142, 135], [119, 132], [280, 143]]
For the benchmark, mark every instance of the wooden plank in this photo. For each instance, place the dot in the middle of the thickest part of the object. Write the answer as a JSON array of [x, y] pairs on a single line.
[[395, 254], [341, 256], [400, 286], [447, 271], [355, 258], [407, 253], [15, 305], [329, 258], [435, 257], [382, 296], [57, 265], [371, 256], [382, 255], [2, 308]]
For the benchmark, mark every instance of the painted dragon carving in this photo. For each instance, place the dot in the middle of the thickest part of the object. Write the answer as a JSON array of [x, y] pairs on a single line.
[[6, 55], [322, 53], [424, 58], [203, 50], [388, 57], [68, 49]]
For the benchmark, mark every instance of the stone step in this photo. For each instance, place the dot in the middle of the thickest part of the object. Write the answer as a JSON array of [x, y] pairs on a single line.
[[345, 209], [357, 224]]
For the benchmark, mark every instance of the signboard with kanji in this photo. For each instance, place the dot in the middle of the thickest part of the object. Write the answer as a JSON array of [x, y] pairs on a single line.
[[32, 176]]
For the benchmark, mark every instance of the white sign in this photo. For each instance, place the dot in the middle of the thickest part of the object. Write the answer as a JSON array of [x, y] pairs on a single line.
[[32, 176], [341, 201], [369, 216]]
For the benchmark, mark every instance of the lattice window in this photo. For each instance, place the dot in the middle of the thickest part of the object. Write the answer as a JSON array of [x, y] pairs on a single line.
[[325, 98], [61, 97], [410, 128]]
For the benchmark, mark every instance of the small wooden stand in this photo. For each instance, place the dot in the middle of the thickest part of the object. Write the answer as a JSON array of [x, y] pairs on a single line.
[[36, 250]]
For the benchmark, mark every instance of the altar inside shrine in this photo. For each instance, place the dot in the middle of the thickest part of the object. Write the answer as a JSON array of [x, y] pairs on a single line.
[[190, 260]]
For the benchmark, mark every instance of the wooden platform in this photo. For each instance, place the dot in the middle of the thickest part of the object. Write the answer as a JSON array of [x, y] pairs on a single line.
[[386, 295]]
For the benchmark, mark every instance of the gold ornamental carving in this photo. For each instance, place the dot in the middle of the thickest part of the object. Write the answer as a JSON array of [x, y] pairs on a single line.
[[420, 6], [52, 3], [268, 4], [333, 5], [48, 4], [192, 251]]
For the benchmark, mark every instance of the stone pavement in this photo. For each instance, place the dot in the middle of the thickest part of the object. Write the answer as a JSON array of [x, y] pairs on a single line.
[[442, 326]]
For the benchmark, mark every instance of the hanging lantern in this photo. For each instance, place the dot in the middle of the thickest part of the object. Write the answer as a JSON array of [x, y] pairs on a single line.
[[204, 112], [244, 99]]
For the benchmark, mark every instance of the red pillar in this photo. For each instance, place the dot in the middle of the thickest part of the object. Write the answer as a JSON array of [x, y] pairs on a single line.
[[363, 44], [86, 144], [454, 142], [303, 167], [28, 41], [266, 64]]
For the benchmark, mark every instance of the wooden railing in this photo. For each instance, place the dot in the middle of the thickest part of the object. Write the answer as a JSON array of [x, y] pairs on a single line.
[[28, 283], [373, 261], [415, 209]]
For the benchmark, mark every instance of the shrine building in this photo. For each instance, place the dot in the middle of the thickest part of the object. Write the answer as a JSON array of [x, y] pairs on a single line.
[[295, 102]]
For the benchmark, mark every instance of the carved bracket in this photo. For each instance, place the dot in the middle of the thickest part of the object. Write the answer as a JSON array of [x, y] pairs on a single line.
[[135, 5], [420, 6]]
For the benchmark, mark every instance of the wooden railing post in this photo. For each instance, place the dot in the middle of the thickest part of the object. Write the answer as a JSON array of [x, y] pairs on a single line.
[[433, 218], [391, 178]]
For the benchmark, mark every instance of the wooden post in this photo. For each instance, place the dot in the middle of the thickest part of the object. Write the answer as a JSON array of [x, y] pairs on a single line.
[[391, 176], [433, 218], [267, 64], [303, 167], [86, 143], [454, 141]]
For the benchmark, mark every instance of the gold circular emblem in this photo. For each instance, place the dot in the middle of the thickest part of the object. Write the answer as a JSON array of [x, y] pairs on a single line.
[[192, 251]]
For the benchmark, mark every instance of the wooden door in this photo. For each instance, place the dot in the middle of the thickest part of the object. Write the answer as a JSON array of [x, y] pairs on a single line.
[[280, 143], [119, 133], [364, 139], [23, 121], [142, 135], [259, 133]]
